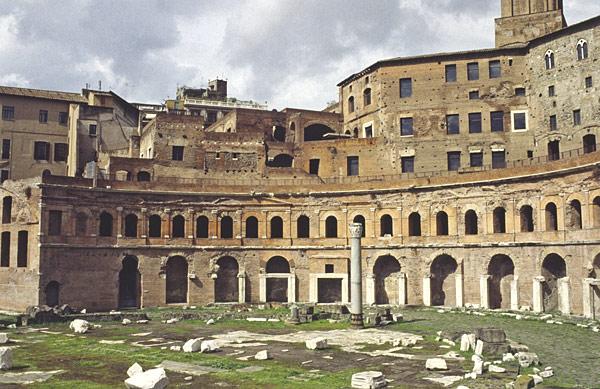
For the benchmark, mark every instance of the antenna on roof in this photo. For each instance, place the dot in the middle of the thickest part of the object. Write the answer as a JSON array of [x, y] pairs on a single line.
[[99, 84]]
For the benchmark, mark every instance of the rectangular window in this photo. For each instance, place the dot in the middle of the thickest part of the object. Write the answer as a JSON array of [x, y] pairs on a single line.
[[5, 249], [476, 159], [352, 166], [498, 159], [61, 151], [495, 69], [577, 117], [43, 116], [5, 148], [54, 223], [497, 121], [450, 73], [63, 117], [3, 175], [313, 166], [368, 131], [408, 164], [520, 92], [329, 268], [93, 130], [589, 82], [452, 124], [474, 95], [22, 248], [473, 71], [529, 153], [453, 160], [519, 121], [553, 123], [551, 91], [405, 87], [177, 153], [475, 123], [41, 151], [406, 126], [8, 112]]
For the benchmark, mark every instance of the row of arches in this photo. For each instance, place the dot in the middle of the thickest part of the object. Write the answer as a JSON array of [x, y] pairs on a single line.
[[582, 50]]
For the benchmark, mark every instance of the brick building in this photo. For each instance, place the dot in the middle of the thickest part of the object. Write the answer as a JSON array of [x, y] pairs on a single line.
[[475, 175]]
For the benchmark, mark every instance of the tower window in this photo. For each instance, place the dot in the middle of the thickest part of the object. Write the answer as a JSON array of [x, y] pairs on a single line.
[[495, 69], [582, 49], [549, 60], [406, 126], [408, 164], [405, 87], [577, 117], [452, 124], [473, 71], [589, 82], [450, 73]]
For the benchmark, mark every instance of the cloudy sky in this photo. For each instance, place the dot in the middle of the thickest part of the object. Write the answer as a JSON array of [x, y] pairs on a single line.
[[290, 53]]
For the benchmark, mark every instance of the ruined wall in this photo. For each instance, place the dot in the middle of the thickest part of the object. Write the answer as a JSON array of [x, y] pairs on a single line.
[[524, 27]]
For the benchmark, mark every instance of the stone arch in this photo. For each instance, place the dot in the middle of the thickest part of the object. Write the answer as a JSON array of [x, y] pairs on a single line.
[[251, 227], [276, 227], [202, 227], [226, 227], [589, 143], [226, 283], [143, 176], [386, 270], [574, 215], [129, 283], [154, 226], [386, 225], [279, 133], [596, 211], [441, 224], [277, 288], [499, 220], [176, 280], [360, 219], [105, 227], [551, 216], [471, 222], [414, 224], [317, 131], [331, 227], [443, 286], [52, 293], [554, 268], [281, 160], [131, 226], [178, 226], [526, 218], [303, 226], [501, 270]]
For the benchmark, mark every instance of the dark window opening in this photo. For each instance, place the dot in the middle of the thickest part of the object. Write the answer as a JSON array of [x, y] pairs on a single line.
[[498, 159], [474, 95], [252, 228], [406, 126], [177, 153], [63, 117], [577, 117], [226, 228], [178, 227], [553, 150], [472, 71], [582, 50], [414, 224], [495, 69], [5, 249], [7, 210], [499, 217], [43, 116], [351, 104], [329, 268], [276, 227], [61, 152], [143, 176], [520, 92], [202, 227], [359, 219], [368, 131], [452, 124], [155, 226], [303, 227], [520, 121], [386, 225], [316, 132], [279, 133], [352, 166], [589, 82], [526, 215], [54, 223], [106, 224], [475, 123], [41, 151], [131, 226], [476, 159], [8, 112], [497, 121], [450, 73], [441, 223], [3, 175], [574, 221], [92, 130], [549, 60], [589, 143], [471, 223], [5, 148], [367, 97], [331, 227], [313, 166], [22, 248], [281, 160], [551, 91], [453, 160], [408, 164], [551, 217], [553, 123], [405, 87]]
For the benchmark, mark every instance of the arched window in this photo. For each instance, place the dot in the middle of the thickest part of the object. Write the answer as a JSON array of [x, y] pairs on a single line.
[[331, 227], [414, 224], [106, 224], [226, 227], [351, 104], [526, 214], [131, 224], [202, 227], [178, 227], [471, 223], [252, 228], [355, 132], [154, 226], [386, 225], [574, 215], [143, 176], [6, 210], [589, 143], [582, 49], [549, 60], [499, 220], [279, 133], [596, 213], [551, 217], [22, 248], [367, 97], [81, 224], [281, 160], [361, 220], [276, 227], [303, 227], [441, 222]]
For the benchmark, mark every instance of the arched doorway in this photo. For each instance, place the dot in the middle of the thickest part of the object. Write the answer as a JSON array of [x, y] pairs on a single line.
[[316, 132], [226, 284], [52, 292], [553, 269], [177, 280], [501, 270], [277, 288], [386, 271], [129, 283], [443, 286]]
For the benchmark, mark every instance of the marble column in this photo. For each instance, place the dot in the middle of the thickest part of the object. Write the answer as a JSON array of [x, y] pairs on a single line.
[[292, 287], [514, 294], [564, 295], [242, 287], [458, 279], [484, 291], [427, 291], [402, 289], [538, 294], [370, 288], [356, 275]]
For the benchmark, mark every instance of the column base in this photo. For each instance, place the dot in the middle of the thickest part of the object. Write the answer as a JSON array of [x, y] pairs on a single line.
[[356, 320]]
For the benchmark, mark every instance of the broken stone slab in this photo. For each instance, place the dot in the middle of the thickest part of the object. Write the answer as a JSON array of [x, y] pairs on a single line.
[[453, 355], [192, 345], [479, 347], [150, 379], [319, 343], [209, 346], [126, 322], [142, 321], [527, 359], [262, 355], [436, 364], [496, 369], [210, 322], [536, 379], [5, 358], [256, 319], [515, 347], [523, 382], [449, 342], [547, 373], [27, 378], [508, 357], [3, 338], [79, 326], [188, 368], [477, 364], [134, 369], [103, 341], [465, 344], [368, 380], [490, 335], [175, 348], [445, 381], [172, 321]]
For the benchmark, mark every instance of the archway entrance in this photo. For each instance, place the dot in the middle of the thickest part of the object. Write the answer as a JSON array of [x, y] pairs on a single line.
[[226, 284], [129, 283], [553, 269], [177, 280], [52, 292], [386, 271], [501, 270], [443, 286], [277, 288]]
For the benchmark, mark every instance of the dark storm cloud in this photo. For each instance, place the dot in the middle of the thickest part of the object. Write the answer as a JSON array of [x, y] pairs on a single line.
[[284, 51]]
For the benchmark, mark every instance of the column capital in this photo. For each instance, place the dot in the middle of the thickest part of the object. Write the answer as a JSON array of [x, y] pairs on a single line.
[[356, 230], [539, 278]]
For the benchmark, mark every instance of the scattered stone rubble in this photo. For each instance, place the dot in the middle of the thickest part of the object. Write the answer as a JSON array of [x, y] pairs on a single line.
[[149, 379], [368, 380]]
